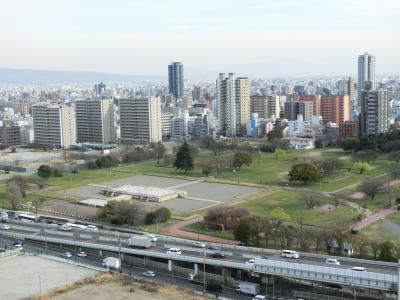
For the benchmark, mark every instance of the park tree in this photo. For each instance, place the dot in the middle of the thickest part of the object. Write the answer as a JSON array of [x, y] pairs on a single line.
[[220, 163], [275, 134], [228, 216], [367, 155], [159, 150], [349, 144], [375, 245], [206, 165], [278, 153], [361, 244], [311, 199], [248, 231], [14, 194], [304, 172], [387, 251], [395, 156], [206, 141], [126, 212], [362, 167], [371, 187], [168, 160], [240, 159], [163, 214], [44, 171], [184, 159]]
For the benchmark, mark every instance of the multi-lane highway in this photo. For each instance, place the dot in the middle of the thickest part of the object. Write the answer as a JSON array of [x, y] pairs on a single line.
[[232, 253]]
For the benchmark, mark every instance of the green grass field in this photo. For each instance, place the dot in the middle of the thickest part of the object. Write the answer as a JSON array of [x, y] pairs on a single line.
[[290, 201]]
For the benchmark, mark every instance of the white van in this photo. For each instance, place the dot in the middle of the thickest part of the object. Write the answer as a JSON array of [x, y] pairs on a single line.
[[359, 269], [174, 251], [290, 254], [332, 261]]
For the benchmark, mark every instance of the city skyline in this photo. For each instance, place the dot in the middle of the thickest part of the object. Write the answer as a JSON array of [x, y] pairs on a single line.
[[276, 39]]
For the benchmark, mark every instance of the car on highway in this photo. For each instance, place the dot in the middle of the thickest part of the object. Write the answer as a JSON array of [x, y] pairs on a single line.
[[214, 287], [92, 227], [290, 254], [66, 254], [332, 261], [4, 227], [251, 261], [18, 245], [259, 297], [174, 251], [66, 227], [216, 248], [81, 254], [217, 255], [149, 274], [199, 244], [359, 269]]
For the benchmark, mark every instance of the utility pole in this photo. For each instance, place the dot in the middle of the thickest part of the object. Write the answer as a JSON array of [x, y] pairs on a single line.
[[204, 269]]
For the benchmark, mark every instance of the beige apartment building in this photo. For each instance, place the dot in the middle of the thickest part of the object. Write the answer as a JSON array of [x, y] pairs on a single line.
[[53, 125], [140, 120], [265, 106], [95, 121], [233, 100]]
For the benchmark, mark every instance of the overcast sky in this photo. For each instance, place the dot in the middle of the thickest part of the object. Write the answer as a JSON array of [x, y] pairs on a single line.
[[257, 38]]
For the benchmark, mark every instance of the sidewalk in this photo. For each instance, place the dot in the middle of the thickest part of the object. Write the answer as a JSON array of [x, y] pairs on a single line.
[[175, 229]]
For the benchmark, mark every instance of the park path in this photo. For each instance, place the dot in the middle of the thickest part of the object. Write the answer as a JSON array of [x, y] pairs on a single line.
[[373, 218], [176, 229]]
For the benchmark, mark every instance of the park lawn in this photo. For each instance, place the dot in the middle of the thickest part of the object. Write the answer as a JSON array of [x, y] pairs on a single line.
[[380, 201], [394, 218], [199, 228], [375, 232], [290, 201]]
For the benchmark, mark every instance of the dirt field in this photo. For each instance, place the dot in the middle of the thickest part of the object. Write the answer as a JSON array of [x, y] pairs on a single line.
[[107, 286], [24, 276]]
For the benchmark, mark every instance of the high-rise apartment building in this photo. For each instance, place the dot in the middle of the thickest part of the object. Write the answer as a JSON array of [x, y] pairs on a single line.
[[335, 109], [366, 72], [99, 88], [242, 103], [53, 125], [176, 79], [315, 99], [95, 121], [292, 109], [259, 106], [140, 120], [346, 87], [374, 111], [233, 101], [9, 135]]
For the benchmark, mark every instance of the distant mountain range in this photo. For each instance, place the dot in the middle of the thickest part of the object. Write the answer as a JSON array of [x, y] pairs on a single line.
[[27, 76]]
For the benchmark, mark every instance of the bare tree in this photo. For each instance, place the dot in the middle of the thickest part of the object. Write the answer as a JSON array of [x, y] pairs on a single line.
[[311, 199], [219, 164], [375, 245], [371, 187], [14, 194], [361, 244], [395, 155]]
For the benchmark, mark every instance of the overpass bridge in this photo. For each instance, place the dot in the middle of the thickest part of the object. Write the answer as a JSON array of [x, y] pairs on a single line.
[[379, 275]]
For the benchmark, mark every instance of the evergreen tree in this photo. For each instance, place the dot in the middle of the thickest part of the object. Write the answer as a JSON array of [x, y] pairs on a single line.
[[184, 159]]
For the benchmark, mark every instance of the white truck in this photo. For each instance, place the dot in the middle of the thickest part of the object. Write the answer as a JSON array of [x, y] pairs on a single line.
[[3, 216], [139, 241], [248, 288], [112, 263]]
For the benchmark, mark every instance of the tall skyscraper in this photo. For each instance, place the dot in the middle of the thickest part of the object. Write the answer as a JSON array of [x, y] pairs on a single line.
[[140, 120], [53, 125], [99, 88], [366, 72], [374, 111], [233, 101], [95, 121], [176, 79]]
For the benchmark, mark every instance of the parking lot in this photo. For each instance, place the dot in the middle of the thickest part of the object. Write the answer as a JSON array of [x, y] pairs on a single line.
[[25, 276], [200, 194]]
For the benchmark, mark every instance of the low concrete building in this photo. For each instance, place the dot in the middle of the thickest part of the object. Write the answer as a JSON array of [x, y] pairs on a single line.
[[300, 143], [146, 193]]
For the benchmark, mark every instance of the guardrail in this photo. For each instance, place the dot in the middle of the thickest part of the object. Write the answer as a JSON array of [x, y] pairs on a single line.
[[341, 276], [266, 266], [249, 250]]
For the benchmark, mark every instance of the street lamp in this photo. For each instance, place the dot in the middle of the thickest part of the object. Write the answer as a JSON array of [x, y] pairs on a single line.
[[204, 269]]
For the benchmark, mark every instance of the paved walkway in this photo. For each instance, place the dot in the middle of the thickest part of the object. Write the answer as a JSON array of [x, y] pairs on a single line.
[[373, 218], [176, 229]]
